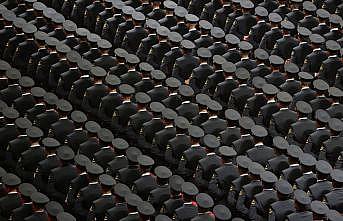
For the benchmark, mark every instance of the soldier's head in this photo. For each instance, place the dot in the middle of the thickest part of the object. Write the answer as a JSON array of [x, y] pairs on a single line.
[[246, 123], [214, 108], [189, 191], [232, 41], [332, 47], [26, 190], [336, 126], [126, 91], [322, 118], [156, 4], [307, 162], [217, 34], [173, 85], [302, 200], [142, 100], [218, 61], [255, 170], [309, 8], [156, 108], [284, 189], [243, 164], [303, 108], [259, 133], [168, 116], [38, 8], [202, 100], [63, 108], [50, 144], [323, 15], [296, 4], [174, 39], [323, 169], [211, 143], [120, 191], [242, 75], [261, 13], [316, 40], [195, 134], [73, 58], [81, 161], [163, 174], [269, 90], [246, 6], [204, 202], [34, 133], [181, 124], [284, 99], [205, 27], [22, 124], [11, 182], [227, 153], [337, 178], [276, 62], [120, 146], [303, 34], [92, 128], [287, 27], [105, 137], [180, 13], [192, 21], [132, 201], [274, 19], [232, 117], [319, 210], [187, 46], [335, 22], [236, 6], [268, 179], [335, 94], [145, 163], [127, 12], [113, 82], [151, 25], [138, 19], [169, 7], [39, 200], [66, 155], [158, 77], [145, 210], [293, 153], [107, 182]]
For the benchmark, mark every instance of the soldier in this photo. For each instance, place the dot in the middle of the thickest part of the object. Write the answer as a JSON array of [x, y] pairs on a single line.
[[152, 39], [103, 16], [175, 52], [243, 23], [301, 201], [285, 205], [314, 60], [260, 153], [123, 27], [261, 201], [322, 186], [331, 200], [270, 37], [180, 27], [169, 20], [284, 46], [331, 64], [134, 36], [249, 190], [257, 31], [93, 95], [158, 50], [105, 201], [300, 52]]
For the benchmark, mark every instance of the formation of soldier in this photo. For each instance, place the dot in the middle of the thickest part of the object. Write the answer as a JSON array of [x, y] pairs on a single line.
[[188, 110]]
